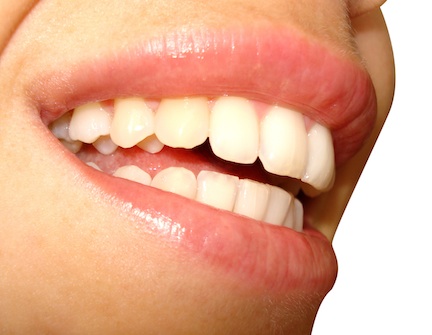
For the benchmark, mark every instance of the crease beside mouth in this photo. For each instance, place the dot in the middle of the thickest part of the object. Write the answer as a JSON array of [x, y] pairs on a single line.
[[228, 152]]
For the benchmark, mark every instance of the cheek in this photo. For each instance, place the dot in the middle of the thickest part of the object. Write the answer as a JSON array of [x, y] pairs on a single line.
[[360, 7], [375, 47], [12, 13]]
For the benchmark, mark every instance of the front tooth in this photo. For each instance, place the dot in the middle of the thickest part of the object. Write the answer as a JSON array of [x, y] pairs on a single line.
[[105, 145], [321, 163], [234, 130], [176, 180], [278, 206], [217, 189], [283, 145], [182, 123], [88, 122], [252, 199], [133, 121], [133, 173]]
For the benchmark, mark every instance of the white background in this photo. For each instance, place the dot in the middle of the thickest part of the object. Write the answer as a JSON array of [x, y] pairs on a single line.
[[384, 242]]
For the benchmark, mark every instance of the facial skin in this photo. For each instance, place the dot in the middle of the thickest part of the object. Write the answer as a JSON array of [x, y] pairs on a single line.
[[75, 257]]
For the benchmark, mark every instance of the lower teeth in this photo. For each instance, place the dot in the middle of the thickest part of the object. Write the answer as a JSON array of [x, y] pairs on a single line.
[[245, 197]]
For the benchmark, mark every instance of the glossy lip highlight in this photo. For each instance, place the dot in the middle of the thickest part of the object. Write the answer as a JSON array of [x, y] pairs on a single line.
[[262, 66]]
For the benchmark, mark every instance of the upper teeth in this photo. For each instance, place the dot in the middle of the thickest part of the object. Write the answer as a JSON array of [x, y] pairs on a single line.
[[234, 130], [238, 130], [96, 124], [133, 121], [182, 123]]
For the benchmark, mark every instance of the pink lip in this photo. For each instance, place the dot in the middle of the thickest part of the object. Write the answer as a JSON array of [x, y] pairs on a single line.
[[273, 258], [274, 67]]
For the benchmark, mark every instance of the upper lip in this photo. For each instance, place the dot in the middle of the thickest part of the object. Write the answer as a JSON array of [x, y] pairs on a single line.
[[333, 90], [278, 67]]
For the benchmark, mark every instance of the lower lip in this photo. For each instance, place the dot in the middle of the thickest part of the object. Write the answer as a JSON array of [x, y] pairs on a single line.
[[260, 255]]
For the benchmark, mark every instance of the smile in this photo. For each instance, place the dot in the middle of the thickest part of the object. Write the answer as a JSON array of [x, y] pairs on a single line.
[[239, 131], [228, 155]]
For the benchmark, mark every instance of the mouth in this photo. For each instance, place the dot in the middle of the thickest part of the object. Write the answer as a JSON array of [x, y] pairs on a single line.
[[214, 146]]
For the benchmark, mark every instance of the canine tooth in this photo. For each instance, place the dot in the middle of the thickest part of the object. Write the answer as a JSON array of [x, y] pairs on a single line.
[[88, 122], [105, 145], [133, 121], [73, 146], [133, 173], [217, 189], [183, 122], [234, 130], [151, 144], [252, 199], [320, 164], [298, 215], [176, 180], [278, 206], [283, 145]]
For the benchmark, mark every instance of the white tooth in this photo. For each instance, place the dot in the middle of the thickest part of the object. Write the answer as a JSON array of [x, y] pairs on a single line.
[[133, 173], [73, 147], [151, 144], [298, 215], [60, 127], [321, 163], [217, 189], [290, 218], [105, 145], [234, 130], [133, 121], [182, 123], [94, 166], [88, 122], [294, 219], [176, 180], [283, 145], [252, 199], [278, 206]]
